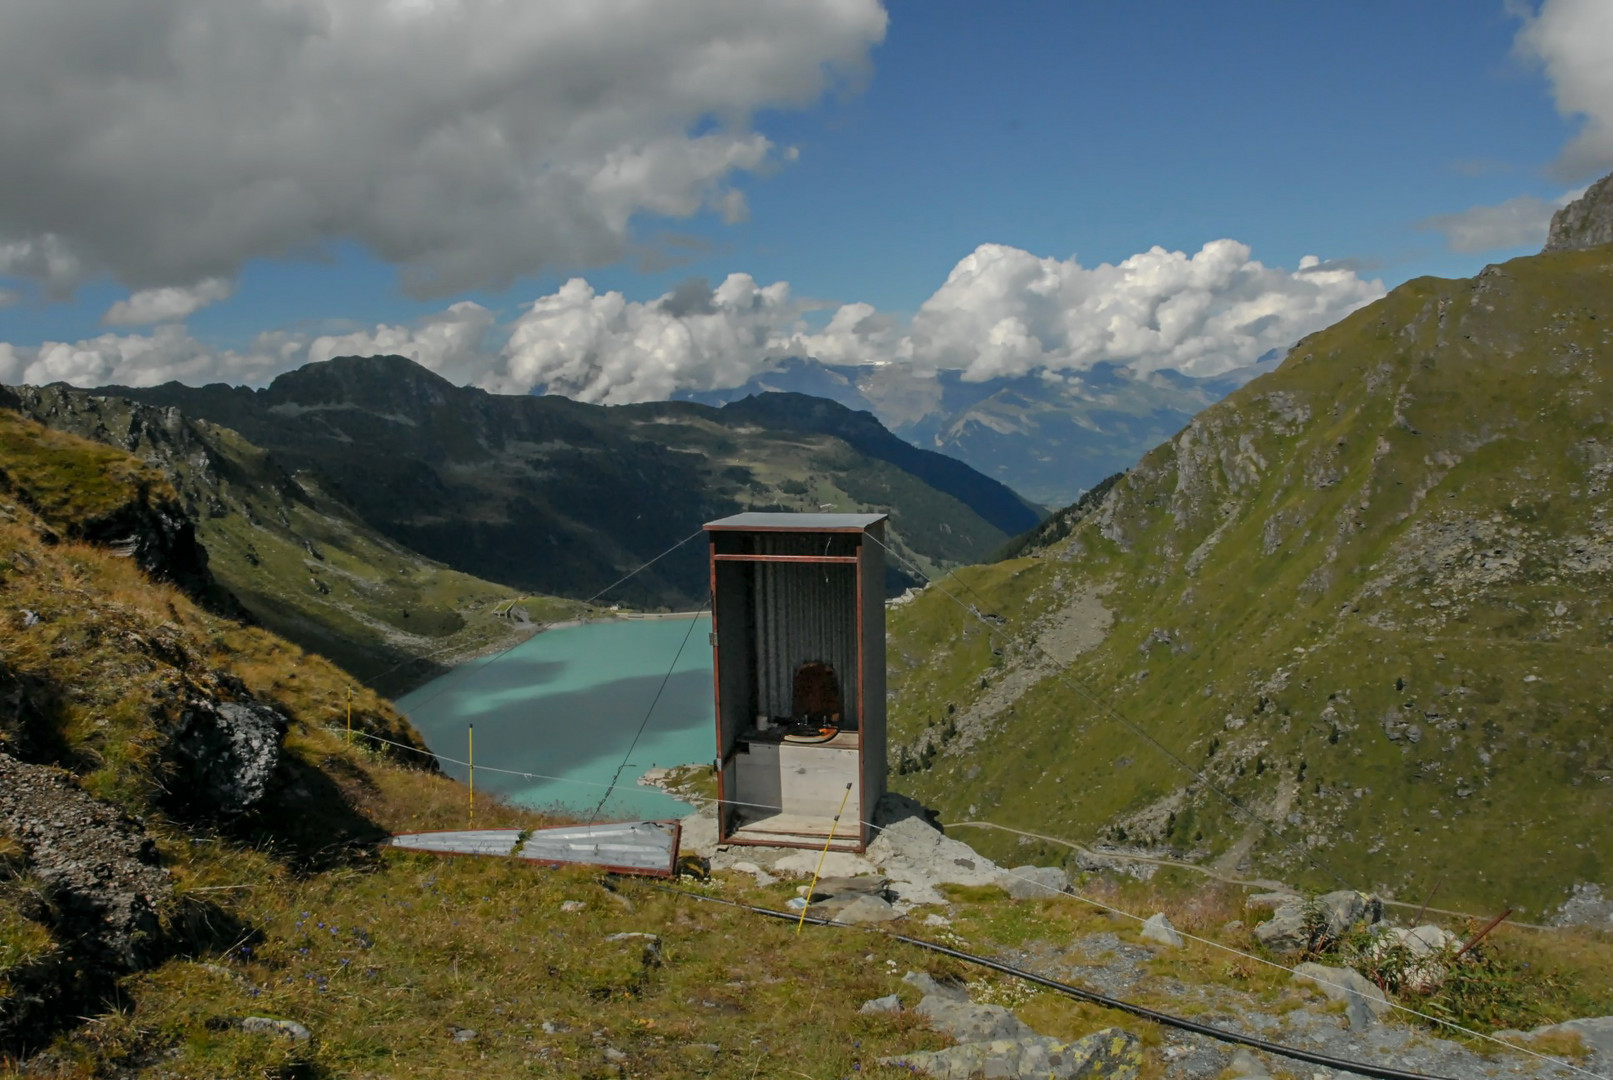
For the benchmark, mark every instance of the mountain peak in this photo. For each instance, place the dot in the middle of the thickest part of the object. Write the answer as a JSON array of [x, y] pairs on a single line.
[[373, 381], [1585, 222]]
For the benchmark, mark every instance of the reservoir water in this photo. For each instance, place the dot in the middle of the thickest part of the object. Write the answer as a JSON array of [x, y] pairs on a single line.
[[564, 705]]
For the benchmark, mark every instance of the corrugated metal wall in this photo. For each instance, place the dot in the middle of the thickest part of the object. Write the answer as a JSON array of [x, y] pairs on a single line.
[[804, 612], [873, 660]]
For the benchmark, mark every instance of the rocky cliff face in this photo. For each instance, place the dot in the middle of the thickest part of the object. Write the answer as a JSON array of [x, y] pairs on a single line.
[[1585, 222], [1360, 596], [132, 510]]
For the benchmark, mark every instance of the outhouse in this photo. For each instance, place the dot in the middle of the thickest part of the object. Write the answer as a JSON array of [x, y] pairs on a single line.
[[798, 641]]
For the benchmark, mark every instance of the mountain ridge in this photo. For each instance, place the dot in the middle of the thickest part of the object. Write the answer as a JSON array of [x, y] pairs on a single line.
[[1049, 436], [562, 497]]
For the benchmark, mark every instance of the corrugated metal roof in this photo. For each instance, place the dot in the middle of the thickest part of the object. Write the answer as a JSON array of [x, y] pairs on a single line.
[[645, 847], [804, 613], [797, 522]]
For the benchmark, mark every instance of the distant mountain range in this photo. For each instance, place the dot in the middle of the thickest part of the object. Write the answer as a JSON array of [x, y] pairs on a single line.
[[1048, 437], [548, 495]]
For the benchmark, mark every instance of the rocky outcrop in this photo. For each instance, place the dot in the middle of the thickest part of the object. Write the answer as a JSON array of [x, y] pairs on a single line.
[[150, 525], [1110, 1054], [225, 755], [161, 539], [994, 1042], [908, 859], [1034, 882], [1595, 1034], [101, 869], [1585, 222]]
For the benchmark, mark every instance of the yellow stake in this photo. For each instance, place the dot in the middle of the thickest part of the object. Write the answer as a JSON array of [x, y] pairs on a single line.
[[470, 736], [814, 886]]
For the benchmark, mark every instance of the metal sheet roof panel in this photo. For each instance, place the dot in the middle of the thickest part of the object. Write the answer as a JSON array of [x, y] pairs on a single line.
[[648, 847], [462, 842], [796, 522], [635, 847]]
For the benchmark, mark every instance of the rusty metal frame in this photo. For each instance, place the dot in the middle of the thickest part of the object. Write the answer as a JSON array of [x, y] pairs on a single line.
[[788, 558], [723, 835]]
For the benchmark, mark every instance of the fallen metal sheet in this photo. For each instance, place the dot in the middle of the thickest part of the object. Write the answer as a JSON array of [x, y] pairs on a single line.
[[468, 842], [635, 847], [629, 847]]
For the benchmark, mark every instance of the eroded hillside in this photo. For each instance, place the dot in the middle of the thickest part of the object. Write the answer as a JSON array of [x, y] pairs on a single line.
[[1367, 595]]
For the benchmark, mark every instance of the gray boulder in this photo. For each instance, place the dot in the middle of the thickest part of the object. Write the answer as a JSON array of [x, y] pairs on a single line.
[[1416, 959], [1363, 1001], [265, 1025], [1298, 925], [855, 910], [890, 1003], [1596, 1032], [1110, 1054], [912, 850], [226, 753], [1245, 1066], [968, 1022], [1034, 882], [1158, 929], [925, 984]]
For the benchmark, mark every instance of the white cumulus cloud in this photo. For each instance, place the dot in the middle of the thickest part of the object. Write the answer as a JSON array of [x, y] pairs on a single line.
[[1002, 311], [169, 353], [1573, 42], [467, 142], [167, 303], [1518, 222], [451, 343], [603, 347]]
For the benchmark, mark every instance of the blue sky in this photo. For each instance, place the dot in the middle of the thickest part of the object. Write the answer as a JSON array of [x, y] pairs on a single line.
[[899, 139]]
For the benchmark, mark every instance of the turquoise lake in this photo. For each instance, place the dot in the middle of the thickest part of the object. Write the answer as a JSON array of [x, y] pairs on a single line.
[[564, 706]]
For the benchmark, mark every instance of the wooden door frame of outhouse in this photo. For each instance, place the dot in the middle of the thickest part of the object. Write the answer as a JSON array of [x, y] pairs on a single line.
[[713, 529]]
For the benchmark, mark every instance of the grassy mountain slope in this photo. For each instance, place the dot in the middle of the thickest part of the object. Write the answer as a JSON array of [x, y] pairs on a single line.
[[137, 933], [1367, 594], [143, 934], [299, 560], [554, 496]]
